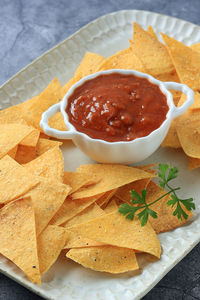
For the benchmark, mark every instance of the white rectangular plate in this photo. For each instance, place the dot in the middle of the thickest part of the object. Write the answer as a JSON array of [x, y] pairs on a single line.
[[106, 35]]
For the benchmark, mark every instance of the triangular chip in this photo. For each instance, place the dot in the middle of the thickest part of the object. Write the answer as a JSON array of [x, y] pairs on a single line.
[[51, 95], [31, 140], [151, 31], [47, 197], [165, 221], [186, 62], [77, 180], [57, 122], [13, 151], [112, 176], [89, 64], [151, 52], [91, 212], [11, 135], [105, 259], [18, 238], [71, 208], [25, 154], [114, 229], [76, 241], [103, 200], [15, 180], [171, 139], [112, 206], [124, 59], [50, 243], [50, 165], [44, 145]]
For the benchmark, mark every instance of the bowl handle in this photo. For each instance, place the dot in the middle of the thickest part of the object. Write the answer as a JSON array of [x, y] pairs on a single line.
[[189, 97], [52, 131]]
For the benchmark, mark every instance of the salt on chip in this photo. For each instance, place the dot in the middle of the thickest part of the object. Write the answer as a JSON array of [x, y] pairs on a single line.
[[47, 197], [186, 61], [166, 221], [51, 95], [76, 241], [77, 180], [71, 208], [105, 259], [11, 135], [50, 243], [114, 229], [18, 238], [91, 212], [124, 59], [45, 144], [50, 165], [112, 176], [15, 180]]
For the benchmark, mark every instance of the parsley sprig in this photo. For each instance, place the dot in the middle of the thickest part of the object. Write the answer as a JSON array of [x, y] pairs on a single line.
[[142, 209]]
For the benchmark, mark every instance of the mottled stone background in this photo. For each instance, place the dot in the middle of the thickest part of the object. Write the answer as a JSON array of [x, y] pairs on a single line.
[[30, 27]]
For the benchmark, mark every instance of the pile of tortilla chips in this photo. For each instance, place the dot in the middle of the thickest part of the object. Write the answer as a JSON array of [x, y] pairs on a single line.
[[44, 209]]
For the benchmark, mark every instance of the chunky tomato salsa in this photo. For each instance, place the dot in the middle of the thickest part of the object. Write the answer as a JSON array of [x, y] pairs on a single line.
[[116, 107]]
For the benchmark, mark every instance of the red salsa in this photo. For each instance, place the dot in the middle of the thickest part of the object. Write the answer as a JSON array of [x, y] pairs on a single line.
[[117, 107]]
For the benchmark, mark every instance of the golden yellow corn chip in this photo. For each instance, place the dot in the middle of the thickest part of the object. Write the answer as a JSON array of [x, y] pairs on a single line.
[[105, 259], [76, 241], [47, 197], [15, 180], [11, 135], [114, 229], [186, 62], [50, 165], [112, 206], [71, 208], [18, 238], [171, 139], [196, 47], [31, 140], [151, 31], [113, 176], [50, 243], [25, 154], [165, 221], [44, 145], [77, 180], [89, 64], [103, 200], [57, 122], [91, 212], [51, 95], [13, 152]]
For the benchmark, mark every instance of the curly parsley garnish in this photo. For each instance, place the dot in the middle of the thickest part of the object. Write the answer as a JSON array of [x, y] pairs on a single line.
[[142, 209]]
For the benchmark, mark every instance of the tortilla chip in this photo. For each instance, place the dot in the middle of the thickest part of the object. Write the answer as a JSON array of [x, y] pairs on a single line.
[[13, 152], [165, 221], [195, 47], [105, 259], [15, 180], [71, 208], [124, 59], [69, 84], [25, 154], [171, 139], [31, 140], [187, 126], [152, 32], [195, 105], [91, 212], [50, 243], [44, 145], [113, 176], [76, 241], [57, 122], [11, 135], [112, 206], [18, 238], [154, 55], [114, 229], [123, 192], [194, 163], [51, 95], [103, 200], [50, 165], [186, 61], [77, 180], [47, 197], [89, 64]]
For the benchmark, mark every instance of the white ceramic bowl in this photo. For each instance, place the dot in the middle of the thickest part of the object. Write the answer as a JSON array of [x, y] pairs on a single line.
[[119, 152]]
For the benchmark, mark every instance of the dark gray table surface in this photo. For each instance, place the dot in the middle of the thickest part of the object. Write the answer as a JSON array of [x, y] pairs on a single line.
[[30, 27]]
